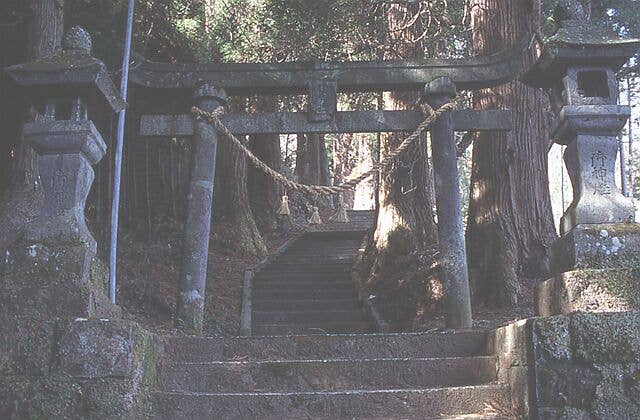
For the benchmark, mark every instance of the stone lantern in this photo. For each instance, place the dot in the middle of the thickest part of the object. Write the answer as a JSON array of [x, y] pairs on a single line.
[[52, 269], [599, 239]]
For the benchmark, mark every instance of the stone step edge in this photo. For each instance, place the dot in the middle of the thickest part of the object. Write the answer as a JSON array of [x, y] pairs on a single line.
[[345, 335], [331, 393], [328, 361]]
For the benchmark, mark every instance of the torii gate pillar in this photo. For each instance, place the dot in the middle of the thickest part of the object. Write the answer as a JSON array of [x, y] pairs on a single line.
[[193, 276], [449, 207]]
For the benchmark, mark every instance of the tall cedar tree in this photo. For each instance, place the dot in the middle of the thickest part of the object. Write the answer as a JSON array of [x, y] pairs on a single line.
[[510, 224], [23, 198], [232, 202], [405, 224], [312, 166], [264, 192]]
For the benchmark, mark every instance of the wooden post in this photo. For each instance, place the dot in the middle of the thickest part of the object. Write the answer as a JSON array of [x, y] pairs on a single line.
[[193, 279], [449, 207]]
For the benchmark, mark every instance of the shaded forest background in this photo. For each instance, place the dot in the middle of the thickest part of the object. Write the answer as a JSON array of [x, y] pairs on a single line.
[[507, 242]]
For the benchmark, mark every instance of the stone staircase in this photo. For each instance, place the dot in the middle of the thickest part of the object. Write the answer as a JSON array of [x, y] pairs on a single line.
[[308, 288], [363, 376], [334, 367]]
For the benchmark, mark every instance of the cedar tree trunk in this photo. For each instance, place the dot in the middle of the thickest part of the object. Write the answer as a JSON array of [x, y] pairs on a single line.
[[23, 197], [510, 225], [232, 197], [264, 192], [405, 225]]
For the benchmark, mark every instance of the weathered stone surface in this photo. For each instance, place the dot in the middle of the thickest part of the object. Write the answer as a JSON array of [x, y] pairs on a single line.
[[578, 42], [405, 404], [606, 338], [580, 365], [343, 122], [590, 133], [195, 253], [69, 73], [512, 345], [66, 150], [570, 10], [97, 349], [589, 291], [453, 255], [291, 78], [45, 282], [73, 379], [597, 246], [323, 100], [52, 271], [26, 345], [592, 86], [553, 337], [599, 372], [328, 375], [77, 39], [563, 413]]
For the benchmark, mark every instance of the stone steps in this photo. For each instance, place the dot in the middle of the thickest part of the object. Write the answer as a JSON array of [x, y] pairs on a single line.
[[305, 271], [286, 294], [287, 316], [313, 353], [314, 347], [347, 327], [315, 268], [391, 404], [301, 284], [279, 267], [327, 375], [311, 305]]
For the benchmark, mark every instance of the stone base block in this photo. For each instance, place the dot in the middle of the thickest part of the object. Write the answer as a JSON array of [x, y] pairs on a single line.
[[512, 345], [601, 246], [597, 375], [77, 369], [589, 291], [45, 282], [577, 366]]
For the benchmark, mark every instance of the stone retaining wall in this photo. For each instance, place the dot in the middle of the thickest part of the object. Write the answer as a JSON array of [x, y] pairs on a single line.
[[72, 369], [578, 366]]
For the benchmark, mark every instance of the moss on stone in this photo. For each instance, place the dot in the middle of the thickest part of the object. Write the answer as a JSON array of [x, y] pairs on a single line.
[[609, 337], [552, 337], [34, 384]]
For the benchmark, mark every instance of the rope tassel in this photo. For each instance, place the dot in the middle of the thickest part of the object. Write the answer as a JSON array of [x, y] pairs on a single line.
[[341, 215], [284, 206], [315, 217]]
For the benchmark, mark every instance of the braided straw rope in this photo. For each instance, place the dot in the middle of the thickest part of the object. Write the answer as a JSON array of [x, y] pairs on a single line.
[[431, 117]]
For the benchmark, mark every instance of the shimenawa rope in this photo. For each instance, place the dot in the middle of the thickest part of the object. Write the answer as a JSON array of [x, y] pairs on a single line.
[[431, 117]]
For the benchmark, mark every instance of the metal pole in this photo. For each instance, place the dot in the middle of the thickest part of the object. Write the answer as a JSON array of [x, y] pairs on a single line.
[[449, 206], [115, 204], [630, 156], [564, 203]]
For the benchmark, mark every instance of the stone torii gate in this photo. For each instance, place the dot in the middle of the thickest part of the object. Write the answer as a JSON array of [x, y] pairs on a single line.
[[209, 84]]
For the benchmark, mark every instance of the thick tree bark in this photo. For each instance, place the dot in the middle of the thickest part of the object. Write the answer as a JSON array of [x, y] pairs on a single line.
[[24, 195], [510, 225], [405, 225], [264, 192], [46, 28], [342, 163], [231, 194], [232, 198], [311, 160]]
